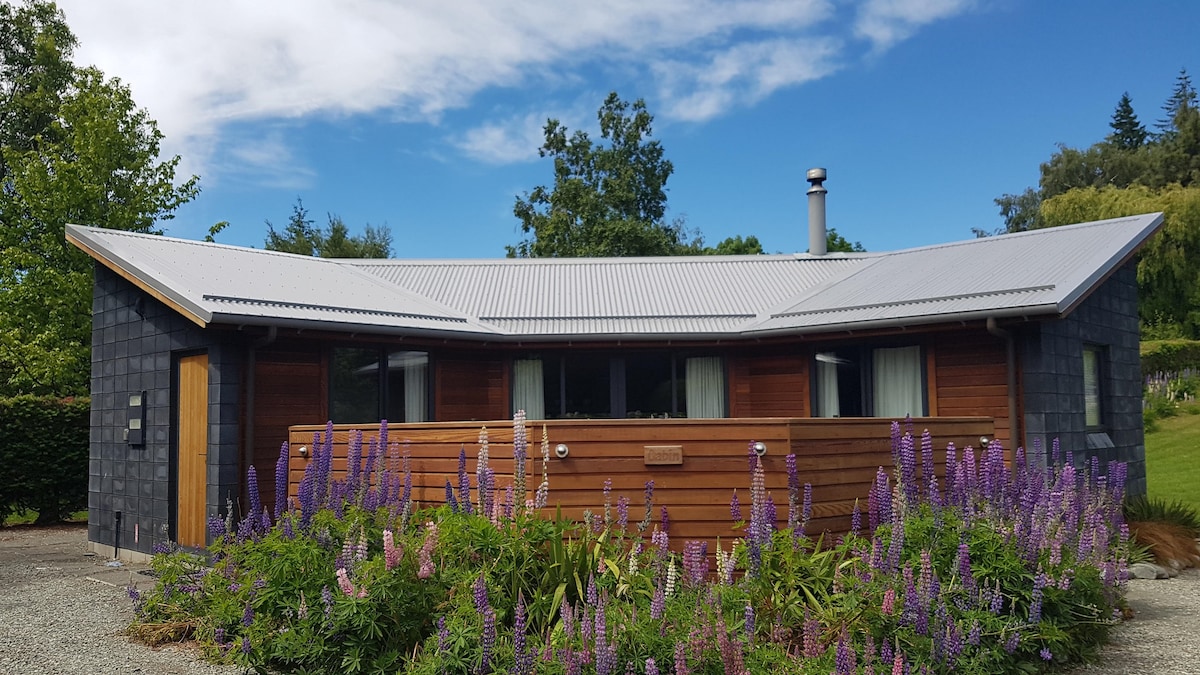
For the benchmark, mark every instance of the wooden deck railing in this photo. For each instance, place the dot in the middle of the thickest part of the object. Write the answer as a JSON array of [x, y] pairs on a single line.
[[839, 457]]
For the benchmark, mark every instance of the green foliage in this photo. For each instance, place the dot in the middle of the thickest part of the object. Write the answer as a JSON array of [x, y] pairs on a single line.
[[1169, 356], [1182, 96], [1154, 509], [608, 199], [44, 452], [836, 243], [1168, 278], [75, 149], [302, 237], [735, 245]]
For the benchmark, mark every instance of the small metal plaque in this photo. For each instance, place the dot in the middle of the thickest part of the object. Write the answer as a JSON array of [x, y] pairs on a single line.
[[664, 454]]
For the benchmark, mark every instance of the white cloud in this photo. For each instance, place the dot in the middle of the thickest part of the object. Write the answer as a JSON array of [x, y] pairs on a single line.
[[201, 66], [743, 75], [886, 22], [505, 141]]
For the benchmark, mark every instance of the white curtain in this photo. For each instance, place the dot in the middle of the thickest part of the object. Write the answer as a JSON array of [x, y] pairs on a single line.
[[416, 389], [898, 382], [705, 387], [828, 403], [528, 394]]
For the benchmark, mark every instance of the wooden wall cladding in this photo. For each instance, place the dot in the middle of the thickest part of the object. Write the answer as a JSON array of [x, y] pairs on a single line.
[[470, 389], [839, 457], [774, 385], [972, 379], [289, 384]]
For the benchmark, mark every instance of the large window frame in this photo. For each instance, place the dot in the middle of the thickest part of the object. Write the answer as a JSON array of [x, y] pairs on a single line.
[[854, 371], [387, 361], [615, 369]]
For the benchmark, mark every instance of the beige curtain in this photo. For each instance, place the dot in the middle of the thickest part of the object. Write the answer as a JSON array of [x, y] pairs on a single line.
[[897, 382], [705, 387], [828, 402], [528, 394]]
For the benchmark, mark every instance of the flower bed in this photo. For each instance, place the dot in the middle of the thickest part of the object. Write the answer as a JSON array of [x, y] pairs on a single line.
[[991, 568]]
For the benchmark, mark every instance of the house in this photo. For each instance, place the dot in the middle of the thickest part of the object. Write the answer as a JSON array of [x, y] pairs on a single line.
[[204, 355]]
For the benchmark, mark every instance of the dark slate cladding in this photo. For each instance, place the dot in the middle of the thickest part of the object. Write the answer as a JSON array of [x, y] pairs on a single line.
[[1051, 358], [134, 352]]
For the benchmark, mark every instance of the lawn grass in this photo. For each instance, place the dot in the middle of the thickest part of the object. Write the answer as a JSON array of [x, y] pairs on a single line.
[[1173, 458]]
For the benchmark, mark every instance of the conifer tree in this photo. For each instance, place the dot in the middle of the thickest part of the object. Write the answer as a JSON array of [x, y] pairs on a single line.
[[1184, 96], [1128, 133]]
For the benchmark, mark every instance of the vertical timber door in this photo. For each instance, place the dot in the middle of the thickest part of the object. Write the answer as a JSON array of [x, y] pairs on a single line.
[[192, 427]]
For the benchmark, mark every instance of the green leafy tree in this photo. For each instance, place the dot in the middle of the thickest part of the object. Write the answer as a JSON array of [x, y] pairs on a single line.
[[608, 198], [76, 149], [1168, 276], [735, 245], [836, 243], [303, 237], [1127, 132]]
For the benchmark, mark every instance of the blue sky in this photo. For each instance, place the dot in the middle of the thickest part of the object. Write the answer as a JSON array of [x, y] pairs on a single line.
[[425, 116]]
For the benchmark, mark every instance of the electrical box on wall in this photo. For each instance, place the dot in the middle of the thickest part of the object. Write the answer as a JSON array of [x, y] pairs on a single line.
[[136, 426]]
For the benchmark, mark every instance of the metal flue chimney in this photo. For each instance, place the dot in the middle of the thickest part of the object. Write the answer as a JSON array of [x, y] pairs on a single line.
[[816, 211]]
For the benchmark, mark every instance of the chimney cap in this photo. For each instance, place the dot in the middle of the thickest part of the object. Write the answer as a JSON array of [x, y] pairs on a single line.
[[815, 175]]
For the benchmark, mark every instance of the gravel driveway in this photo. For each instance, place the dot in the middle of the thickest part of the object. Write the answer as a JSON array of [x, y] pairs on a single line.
[[62, 611]]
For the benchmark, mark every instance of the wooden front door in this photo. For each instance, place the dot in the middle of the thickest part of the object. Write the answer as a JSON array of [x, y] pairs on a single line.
[[192, 426]]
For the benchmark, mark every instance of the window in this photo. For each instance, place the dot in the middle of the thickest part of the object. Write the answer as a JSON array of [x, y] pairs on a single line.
[[629, 385], [1092, 391], [879, 382], [369, 384]]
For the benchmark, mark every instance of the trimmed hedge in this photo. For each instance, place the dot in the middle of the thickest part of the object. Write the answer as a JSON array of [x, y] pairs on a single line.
[[44, 455], [1169, 356]]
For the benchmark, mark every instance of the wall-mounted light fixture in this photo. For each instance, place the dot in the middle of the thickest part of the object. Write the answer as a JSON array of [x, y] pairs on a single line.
[[760, 448], [983, 441], [136, 424], [303, 450], [561, 451]]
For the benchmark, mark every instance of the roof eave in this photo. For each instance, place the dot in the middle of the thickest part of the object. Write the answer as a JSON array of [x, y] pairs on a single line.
[[1101, 274], [77, 236]]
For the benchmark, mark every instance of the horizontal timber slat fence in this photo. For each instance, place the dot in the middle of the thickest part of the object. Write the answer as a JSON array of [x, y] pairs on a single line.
[[839, 457]]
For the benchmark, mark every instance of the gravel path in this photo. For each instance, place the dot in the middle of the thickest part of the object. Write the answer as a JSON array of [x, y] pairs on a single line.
[[63, 610], [55, 620]]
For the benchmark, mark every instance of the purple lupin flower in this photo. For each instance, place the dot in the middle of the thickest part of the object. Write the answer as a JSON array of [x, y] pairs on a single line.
[[353, 462], [608, 502], [735, 508], [749, 619], [522, 657], [648, 496], [487, 641], [406, 464], [651, 666], [450, 500], [855, 520], [255, 497], [281, 479], [364, 486], [770, 517], [481, 594], [443, 634], [658, 602], [846, 663], [464, 481], [793, 491], [681, 667], [1035, 598], [622, 512]]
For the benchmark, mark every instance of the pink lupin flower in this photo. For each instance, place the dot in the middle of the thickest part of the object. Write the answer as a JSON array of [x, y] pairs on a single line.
[[391, 552], [425, 555], [889, 601], [898, 664], [343, 580]]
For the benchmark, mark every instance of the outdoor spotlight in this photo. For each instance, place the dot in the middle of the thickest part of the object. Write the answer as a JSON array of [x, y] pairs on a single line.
[[983, 441], [303, 450], [561, 451], [760, 448]]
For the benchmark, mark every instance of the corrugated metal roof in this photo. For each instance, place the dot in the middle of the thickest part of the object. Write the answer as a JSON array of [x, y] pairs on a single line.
[[1031, 273], [1045, 271], [611, 287]]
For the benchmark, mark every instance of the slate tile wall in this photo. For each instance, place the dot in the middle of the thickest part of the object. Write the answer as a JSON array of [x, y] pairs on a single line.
[[1051, 358], [134, 352]]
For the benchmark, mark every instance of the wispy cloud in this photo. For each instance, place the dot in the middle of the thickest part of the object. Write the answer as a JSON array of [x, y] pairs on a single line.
[[886, 22], [200, 67]]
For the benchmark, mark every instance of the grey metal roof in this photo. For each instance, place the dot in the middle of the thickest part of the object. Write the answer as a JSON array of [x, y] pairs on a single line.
[[1043, 272]]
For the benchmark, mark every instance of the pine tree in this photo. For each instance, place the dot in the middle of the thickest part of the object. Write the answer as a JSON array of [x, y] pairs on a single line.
[[1184, 96], [1128, 133]]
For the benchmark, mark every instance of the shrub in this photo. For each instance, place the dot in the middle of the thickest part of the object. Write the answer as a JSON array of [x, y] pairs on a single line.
[[1169, 356], [44, 452], [991, 568]]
